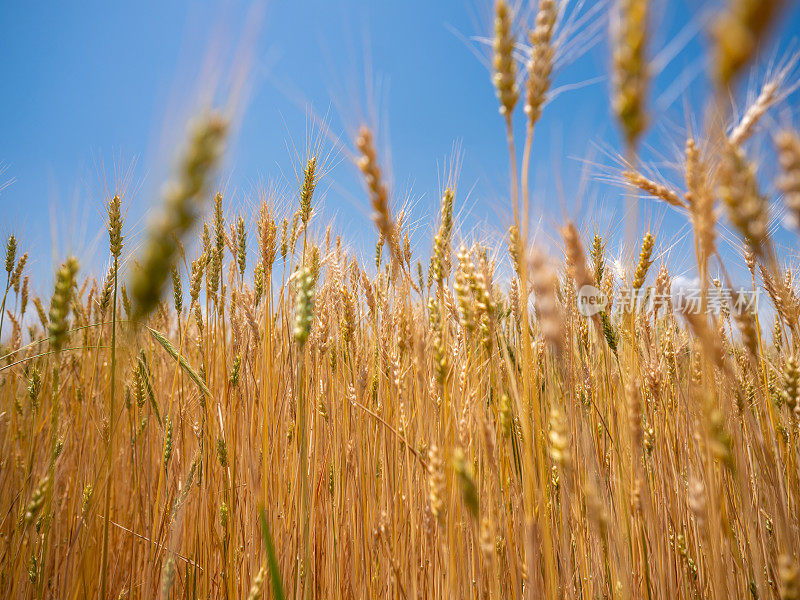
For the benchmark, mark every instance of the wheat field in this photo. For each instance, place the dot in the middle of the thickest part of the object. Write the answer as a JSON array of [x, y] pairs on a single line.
[[241, 408]]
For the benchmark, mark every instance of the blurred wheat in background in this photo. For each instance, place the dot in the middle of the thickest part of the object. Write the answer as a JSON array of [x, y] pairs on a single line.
[[200, 424]]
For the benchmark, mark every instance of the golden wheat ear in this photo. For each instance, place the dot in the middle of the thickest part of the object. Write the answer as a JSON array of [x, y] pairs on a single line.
[[631, 76], [788, 144], [738, 32], [505, 75]]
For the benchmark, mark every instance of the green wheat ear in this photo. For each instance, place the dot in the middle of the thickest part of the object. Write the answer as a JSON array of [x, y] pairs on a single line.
[[60, 303], [11, 253], [304, 305], [165, 343], [181, 209]]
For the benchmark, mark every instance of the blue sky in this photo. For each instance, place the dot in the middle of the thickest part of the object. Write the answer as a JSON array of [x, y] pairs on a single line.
[[94, 88]]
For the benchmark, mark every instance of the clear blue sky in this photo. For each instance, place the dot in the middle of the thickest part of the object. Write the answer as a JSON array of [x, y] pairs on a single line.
[[91, 87]]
